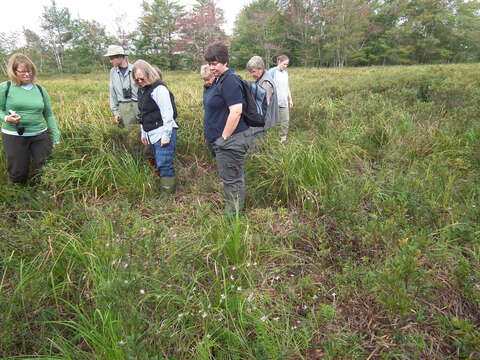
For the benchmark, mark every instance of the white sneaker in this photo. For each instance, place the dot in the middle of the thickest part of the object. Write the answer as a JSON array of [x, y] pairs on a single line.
[[283, 139]]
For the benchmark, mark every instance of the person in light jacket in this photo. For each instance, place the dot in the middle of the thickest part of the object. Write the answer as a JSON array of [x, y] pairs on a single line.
[[256, 68], [123, 92], [285, 101]]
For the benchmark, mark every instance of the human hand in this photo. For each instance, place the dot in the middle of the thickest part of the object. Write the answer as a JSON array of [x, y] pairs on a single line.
[[163, 144], [13, 117], [118, 118], [144, 141]]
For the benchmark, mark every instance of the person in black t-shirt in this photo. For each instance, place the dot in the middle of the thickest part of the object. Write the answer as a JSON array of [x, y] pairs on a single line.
[[225, 128]]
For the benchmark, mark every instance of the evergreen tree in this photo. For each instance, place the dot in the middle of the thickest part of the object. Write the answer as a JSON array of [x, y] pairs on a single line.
[[158, 32]]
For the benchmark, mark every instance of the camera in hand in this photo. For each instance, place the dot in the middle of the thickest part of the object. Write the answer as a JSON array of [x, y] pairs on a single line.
[[127, 93], [20, 129]]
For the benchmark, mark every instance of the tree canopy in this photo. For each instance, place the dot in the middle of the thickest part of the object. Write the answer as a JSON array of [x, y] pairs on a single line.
[[311, 32]]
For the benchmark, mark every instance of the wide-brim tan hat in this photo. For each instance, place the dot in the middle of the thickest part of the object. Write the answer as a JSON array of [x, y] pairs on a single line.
[[115, 50]]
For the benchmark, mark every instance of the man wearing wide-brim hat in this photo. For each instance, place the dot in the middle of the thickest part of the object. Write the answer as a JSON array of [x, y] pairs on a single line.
[[123, 92]]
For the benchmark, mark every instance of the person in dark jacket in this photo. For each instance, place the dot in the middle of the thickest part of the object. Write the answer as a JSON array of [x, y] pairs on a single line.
[[225, 128], [157, 118]]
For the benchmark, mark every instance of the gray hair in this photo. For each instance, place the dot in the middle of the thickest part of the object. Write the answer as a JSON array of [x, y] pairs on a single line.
[[256, 62], [151, 75], [205, 72]]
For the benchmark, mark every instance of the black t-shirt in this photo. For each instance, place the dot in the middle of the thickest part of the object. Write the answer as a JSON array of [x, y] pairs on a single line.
[[216, 102]]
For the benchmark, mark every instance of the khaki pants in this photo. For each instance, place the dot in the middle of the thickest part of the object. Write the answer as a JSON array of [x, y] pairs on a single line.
[[284, 119], [128, 111]]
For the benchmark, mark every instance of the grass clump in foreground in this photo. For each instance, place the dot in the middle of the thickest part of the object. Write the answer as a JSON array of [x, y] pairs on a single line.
[[360, 238]]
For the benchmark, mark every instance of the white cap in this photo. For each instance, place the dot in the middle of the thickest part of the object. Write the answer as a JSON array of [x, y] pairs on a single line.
[[115, 50]]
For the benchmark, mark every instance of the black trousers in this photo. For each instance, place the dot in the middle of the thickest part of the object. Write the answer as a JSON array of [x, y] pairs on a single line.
[[20, 149]]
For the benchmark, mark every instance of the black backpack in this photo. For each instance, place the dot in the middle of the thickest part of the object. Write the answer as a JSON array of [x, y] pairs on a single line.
[[255, 110]]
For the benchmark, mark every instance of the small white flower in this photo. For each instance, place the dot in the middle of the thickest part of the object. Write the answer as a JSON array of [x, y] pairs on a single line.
[[142, 292], [304, 307], [222, 296], [292, 275], [125, 265], [107, 244], [248, 264], [264, 318], [232, 277], [293, 328], [276, 318], [209, 336], [254, 264], [239, 288], [334, 294], [250, 297], [204, 314], [125, 281], [234, 268], [314, 297], [121, 342], [181, 315]]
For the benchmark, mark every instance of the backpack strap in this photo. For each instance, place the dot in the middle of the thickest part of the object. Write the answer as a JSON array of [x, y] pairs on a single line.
[[43, 98], [6, 94]]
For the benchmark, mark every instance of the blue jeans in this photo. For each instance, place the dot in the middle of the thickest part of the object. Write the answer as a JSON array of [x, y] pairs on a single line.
[[164, 156]]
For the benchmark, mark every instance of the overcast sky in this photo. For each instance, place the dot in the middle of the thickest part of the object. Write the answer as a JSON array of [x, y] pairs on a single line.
[[17, 15]]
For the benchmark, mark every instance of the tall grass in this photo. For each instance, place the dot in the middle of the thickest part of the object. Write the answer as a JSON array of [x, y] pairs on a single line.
[[360, 238]]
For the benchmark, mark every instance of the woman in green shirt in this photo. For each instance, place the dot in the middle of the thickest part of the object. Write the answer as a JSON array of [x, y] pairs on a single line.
[[29, 128]]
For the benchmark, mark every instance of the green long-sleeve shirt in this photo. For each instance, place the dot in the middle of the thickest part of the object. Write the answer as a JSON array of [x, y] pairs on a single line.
[[35, 110]]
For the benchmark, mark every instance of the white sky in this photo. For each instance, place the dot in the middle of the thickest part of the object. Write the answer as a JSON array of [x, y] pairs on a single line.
[[17, 15]]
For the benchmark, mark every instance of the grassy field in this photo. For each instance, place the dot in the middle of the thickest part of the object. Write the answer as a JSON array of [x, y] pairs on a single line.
[[361, 237]]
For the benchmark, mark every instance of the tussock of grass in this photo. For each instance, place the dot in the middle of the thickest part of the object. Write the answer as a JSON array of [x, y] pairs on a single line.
[[360, 238]]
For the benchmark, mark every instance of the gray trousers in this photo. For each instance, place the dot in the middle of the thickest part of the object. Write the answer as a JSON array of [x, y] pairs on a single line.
[[284, 119], [128, 111], [19, 149], [230, 155]]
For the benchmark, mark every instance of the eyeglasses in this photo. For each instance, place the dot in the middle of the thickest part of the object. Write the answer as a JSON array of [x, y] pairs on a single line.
[[23, 72]]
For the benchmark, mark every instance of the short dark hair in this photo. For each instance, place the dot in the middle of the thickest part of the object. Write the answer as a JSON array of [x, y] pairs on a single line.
[[217, 52]]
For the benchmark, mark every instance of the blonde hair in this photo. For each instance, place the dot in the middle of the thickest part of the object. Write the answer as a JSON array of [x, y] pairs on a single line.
[[205, 72], [14, 62], [151, 75]]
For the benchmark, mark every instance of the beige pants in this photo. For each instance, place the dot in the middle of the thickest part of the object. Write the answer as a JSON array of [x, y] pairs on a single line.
[[284, 119], [128, 111]]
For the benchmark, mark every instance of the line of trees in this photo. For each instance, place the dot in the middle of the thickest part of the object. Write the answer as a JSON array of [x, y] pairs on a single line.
[[312, 32]]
